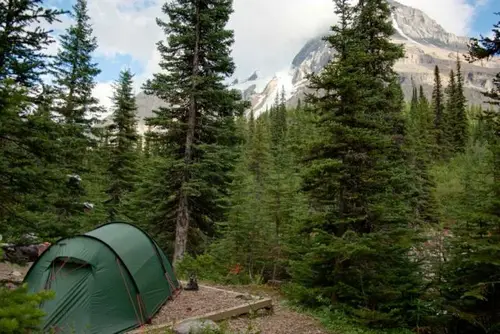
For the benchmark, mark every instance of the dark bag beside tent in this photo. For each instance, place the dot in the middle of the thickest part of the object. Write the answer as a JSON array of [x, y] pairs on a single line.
[[109, 280]]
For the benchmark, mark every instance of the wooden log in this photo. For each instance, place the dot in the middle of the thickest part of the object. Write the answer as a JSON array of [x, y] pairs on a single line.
[[257, 304], [266, 303]]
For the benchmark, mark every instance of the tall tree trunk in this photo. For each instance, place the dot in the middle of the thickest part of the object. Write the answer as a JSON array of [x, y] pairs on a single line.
[[183, 212]]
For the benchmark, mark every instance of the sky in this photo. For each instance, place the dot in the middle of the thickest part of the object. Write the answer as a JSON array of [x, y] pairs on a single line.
[[268, 33]]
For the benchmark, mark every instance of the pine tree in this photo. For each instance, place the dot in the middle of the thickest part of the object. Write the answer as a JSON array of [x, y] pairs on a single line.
[[419, 143], [22, 56], [357, 237], [280, 181], [124, 139], [29, 150], [414, 99], [460, 121], [277, 115], [198, 128], [74, 77], [28, 146], [426, 121], [448, 143], [248, 234], [259, 150], [439, 114], [426, 126], [74, 70]]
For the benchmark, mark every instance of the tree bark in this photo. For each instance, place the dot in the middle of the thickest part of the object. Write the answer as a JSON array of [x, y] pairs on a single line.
[[183, 211]]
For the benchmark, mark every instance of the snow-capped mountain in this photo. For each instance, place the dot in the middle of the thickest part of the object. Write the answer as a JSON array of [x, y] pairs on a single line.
[[426, 44]]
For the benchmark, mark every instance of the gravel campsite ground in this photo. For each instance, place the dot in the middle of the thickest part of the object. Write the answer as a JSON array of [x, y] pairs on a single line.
[[195, 303]]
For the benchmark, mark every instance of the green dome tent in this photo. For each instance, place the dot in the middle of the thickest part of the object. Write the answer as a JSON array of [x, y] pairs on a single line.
[[109, 280]]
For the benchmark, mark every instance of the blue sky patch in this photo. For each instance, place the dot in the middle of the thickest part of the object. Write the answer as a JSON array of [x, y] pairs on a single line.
[[137, 5], [485, 18], [111, 67]]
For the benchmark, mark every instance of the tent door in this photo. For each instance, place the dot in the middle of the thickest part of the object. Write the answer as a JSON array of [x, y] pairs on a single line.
[[69, 310]]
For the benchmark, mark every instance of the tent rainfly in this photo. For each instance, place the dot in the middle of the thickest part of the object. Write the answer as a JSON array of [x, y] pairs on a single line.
[[109, 280]]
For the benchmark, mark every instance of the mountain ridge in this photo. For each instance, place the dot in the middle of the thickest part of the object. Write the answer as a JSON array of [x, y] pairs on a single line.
[[426, 44]]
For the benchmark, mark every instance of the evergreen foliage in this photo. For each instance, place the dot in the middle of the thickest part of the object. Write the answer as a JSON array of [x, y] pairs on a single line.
[[455, 120], [19, 311], [447, 144], [29, 149], [334, 196], [485, 48], [357, 244], [24, 41], [419, 145], [28, 145], [74, 79], [438, 107], [122, 144], [196, 131], [470, 284], [75, 72], [460, 133]]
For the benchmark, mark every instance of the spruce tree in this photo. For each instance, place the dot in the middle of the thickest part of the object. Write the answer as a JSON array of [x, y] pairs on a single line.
[[123, 145], [29, 171], [280, 182], [414, 112], [75, 72], [74, 78], [23, 44], [448, 143], [197, 128], [248, 233], [419, 143], [438, 109], [426, 122], [29, 150], [357, 238], [460, 121]]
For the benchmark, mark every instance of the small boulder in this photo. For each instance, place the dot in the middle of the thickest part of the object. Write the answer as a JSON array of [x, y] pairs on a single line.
[[16, 273], [196, 327]]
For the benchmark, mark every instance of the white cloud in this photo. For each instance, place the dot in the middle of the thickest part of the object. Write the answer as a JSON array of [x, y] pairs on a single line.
[[122, 30], [269, 33], [104, 91]]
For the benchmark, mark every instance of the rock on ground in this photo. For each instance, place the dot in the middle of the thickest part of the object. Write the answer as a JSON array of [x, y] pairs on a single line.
[[195, 327]]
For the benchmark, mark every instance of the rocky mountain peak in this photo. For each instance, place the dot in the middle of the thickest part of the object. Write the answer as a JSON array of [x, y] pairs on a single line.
[[253, 77], [426, 44], [415, 24]]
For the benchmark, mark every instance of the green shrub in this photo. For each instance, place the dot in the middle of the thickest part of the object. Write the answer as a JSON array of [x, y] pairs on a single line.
[[19, 310], [205, 266], [208, 267]]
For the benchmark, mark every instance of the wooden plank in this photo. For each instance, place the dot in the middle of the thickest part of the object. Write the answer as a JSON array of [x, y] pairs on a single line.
[[216, 289], [263, 303], [239, 310]]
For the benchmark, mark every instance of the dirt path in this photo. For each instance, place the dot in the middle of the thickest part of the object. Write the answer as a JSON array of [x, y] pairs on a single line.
[[281, 321]]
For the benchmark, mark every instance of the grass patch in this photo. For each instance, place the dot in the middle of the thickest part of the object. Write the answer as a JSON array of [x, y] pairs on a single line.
[[337, 322]]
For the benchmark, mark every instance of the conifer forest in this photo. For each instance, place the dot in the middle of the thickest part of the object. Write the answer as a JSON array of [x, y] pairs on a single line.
[[363, 206]]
